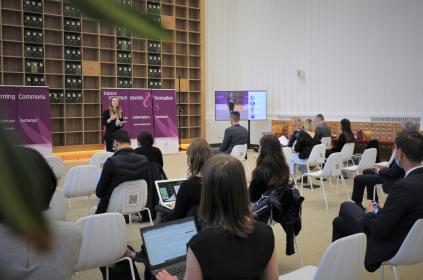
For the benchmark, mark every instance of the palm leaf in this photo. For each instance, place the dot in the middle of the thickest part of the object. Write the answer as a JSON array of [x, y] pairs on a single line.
[[112, 13]]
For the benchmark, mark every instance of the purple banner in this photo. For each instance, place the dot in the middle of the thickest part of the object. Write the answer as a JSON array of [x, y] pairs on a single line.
[[9, 107], [26, 111], [140, 112], [165, 124], [137, 106]]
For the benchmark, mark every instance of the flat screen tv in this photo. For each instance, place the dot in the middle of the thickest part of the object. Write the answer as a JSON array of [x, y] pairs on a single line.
[[251, 104]]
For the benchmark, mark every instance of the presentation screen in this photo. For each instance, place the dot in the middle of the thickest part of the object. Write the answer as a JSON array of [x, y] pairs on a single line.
[[251, 104]]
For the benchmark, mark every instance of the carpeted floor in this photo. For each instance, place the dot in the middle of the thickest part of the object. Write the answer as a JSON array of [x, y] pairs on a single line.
[[313, 239]]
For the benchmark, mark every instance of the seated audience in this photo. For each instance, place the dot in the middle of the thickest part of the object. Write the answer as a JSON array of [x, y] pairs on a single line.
[[231, 245], [189, 194], [234, 135], [387, 227], [309, 127], [271, 170], [322, 129], [297, 124], [346, 136], [124, 165], [272, 173], [18, 260], [146, 148], [386, 176], [302, 148]]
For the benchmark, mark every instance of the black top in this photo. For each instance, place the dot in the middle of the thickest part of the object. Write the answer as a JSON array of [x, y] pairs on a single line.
[[293, 138], [223, 256], [304, 145], [152, 153], [234, 135], [339, 144], [109, 127], [188, 197], [258, 186], [387, 230], [124, 165]]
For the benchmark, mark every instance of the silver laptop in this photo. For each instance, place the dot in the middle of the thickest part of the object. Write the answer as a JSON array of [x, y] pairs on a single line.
[[166, 245], [167, 190]]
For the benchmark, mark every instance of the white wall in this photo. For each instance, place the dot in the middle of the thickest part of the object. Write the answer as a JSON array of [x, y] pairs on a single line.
[[361, 58]]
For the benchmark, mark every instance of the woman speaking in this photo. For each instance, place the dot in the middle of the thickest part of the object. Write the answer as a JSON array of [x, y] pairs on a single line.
[[112, 120]]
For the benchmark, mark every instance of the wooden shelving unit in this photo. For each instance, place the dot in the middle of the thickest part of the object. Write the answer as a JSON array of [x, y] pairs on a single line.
[[48, 42]]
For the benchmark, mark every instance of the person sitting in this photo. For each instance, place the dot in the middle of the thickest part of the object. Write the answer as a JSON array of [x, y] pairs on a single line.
[[387, 227], [231, 244], [386, 176], [124, 165], [346, 136], [234, 135], [18, 259], [145, 147], [322, 129], [302, 148], [272, 173], [297, 124], [189, 194]]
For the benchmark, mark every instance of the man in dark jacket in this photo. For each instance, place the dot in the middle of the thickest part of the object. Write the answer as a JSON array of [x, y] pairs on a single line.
[[387, 227], [322, 129], [386, 176], [124, 165], [234, 135]]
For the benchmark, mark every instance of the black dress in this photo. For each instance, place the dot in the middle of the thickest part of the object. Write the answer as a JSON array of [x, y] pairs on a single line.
[[188, 198], [109, 129], [222, 256]]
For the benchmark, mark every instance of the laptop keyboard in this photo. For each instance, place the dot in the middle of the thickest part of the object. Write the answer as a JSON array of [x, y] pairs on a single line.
[[177, 270]]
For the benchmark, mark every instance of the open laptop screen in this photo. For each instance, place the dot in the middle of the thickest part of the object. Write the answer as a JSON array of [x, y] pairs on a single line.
[[167, 242], [168, 189]]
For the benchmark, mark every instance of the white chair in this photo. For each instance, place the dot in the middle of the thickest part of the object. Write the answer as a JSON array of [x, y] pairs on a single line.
[[99, 158], [327, 141], [377, 187], [386, 163], [368, 160], [287, 153], [239, 152], [347, 152], [57, 207], [317, 157], [56, 163], [334, 263], [80, 181], [411, 250], [332, 169], [104, 240], [130, 198]]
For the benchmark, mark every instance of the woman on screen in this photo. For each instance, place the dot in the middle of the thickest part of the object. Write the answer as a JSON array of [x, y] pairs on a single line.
[[112, 120], [231, 103]]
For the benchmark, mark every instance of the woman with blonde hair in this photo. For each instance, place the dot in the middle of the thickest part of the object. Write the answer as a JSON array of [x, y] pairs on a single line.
[[112, 119]]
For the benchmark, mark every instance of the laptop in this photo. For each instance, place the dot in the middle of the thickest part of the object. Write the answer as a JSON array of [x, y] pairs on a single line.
[[167, 190], [166, 245]]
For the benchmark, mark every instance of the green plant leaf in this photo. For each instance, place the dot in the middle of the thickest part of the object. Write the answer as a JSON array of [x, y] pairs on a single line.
[[112, 13]]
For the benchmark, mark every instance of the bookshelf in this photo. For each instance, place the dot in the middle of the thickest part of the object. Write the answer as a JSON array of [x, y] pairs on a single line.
[[49, 42]]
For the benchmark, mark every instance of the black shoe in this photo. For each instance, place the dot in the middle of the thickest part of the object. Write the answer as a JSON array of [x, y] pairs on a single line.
[[305, 180]]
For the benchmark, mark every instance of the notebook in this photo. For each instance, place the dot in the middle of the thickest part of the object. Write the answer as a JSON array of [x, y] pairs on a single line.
[[166, 245], [167, 190]]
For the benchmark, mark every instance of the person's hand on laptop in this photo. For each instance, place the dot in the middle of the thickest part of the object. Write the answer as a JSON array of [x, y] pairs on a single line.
[[164, 275]]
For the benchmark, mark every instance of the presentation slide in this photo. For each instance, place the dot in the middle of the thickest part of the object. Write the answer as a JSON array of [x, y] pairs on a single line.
[[251, 104]]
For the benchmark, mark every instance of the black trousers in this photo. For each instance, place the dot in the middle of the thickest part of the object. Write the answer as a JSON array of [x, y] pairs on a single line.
[[368, 180], [347, 223]]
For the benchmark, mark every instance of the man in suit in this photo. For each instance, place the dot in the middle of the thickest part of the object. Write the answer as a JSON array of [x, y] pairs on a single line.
[[124, 165], [322, 129], [234, 135], [386, 176], [387, 227]]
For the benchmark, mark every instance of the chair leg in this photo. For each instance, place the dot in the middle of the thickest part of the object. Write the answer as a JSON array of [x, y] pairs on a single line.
[[322, 188], [88, 205], [394, 270], [149, 215], [298, 252], [69, 204], [345, 186], [302, 184], [374, 192], [382, 272], [309, 178], [107, 272]]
